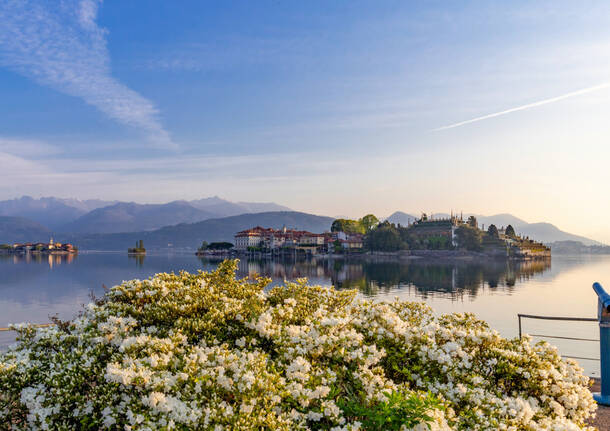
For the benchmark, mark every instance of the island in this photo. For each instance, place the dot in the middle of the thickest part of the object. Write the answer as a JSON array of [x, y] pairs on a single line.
[[138, 249], [215, 249], [450, 237], [51, 247]]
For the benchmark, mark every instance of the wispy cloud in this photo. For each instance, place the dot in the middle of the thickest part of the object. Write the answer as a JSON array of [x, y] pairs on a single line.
[[31, 148], [528, 106], [60, 45]]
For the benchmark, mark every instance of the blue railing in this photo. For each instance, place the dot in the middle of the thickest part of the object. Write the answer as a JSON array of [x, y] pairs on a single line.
[[603, 315]]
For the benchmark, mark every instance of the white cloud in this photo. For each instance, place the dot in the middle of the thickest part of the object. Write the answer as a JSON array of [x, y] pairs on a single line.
[[60, 45]]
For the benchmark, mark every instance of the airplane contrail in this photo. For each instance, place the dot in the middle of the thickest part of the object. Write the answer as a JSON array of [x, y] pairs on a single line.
[[528, 106]]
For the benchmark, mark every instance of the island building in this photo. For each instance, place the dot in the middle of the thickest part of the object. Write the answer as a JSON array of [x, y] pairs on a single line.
[[277, 239], [443, 227], [41, 247]]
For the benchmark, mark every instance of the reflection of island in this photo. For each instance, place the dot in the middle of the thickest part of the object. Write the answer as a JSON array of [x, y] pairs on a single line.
[[137, 257], [454, 279], [449, 279], [51, 259]]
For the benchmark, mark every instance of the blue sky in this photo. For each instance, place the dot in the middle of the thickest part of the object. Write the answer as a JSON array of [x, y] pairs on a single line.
[[327, 107]]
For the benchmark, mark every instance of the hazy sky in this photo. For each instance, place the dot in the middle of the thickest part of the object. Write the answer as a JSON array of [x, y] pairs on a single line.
[[326, 107]]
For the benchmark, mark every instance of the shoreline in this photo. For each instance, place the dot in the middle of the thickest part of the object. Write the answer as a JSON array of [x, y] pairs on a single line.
[[405, 255]]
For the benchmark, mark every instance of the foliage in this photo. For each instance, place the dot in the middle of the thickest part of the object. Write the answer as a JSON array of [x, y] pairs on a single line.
[[510, 231], [220, 246], [396, 411], [468, 237], [209, 351], [362, 226], [204, 245], [368, 222], [492, 231], [472, 222], [347, 226], [386, 237], [438, 242]]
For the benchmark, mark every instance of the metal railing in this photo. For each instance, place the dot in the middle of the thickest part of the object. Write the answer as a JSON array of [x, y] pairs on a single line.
[[569, 319], [603, 317]]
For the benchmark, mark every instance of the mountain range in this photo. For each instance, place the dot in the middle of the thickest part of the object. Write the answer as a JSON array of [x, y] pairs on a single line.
[[19, 229], [191, 235], [114, 225], [97, 216]]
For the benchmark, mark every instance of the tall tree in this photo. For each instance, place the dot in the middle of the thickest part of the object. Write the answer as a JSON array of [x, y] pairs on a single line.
[[472, 222], [368, 222], [510, 231], [492, 231], [469, 238], [347, 226], [385, 238]]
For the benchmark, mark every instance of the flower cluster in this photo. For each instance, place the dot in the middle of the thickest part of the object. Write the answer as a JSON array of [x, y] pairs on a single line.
[[208, 351]]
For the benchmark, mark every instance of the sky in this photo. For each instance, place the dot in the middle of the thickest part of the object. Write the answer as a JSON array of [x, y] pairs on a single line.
[[333, 108]]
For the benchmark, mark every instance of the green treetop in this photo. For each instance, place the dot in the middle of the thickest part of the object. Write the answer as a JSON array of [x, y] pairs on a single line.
[[472, 222], [368, 222], [492, 231]]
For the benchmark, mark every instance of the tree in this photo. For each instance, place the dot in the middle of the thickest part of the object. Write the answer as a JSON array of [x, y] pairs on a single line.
[[472, 222], [510, 231], [347, 226], [220, 246], [424, 217], [368, 222], [468, 238], [492, 231], [385, 237], [204, 245]]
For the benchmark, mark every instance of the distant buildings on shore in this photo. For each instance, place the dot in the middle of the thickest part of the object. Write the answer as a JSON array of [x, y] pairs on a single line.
[[51, 247], [269, 239]]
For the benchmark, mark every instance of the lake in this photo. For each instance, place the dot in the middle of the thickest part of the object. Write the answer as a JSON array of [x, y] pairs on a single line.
[[34, 287]]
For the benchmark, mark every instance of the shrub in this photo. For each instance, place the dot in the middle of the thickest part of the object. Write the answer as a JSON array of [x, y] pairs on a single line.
[[208, 351]]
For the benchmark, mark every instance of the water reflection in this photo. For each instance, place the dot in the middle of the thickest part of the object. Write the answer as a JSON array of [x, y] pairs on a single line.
[[423, 278], [38, 258], [138, 259]]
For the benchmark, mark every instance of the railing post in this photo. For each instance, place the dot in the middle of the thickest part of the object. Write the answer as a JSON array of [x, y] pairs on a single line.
[[519, 316], [603, 315]]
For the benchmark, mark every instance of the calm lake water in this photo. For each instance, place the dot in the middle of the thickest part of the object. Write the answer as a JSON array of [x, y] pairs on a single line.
[[32, 288]]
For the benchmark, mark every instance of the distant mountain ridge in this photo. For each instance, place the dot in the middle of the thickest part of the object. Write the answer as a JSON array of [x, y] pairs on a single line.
[[224, 208], [98, 216], [19, 229], [51, 212], [73, 218], [190, 235], [132, 217]]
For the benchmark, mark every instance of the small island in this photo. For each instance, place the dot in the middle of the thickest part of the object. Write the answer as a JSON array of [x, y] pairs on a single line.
[[138, 250], [51, 247], [215, 249], [451, 237]]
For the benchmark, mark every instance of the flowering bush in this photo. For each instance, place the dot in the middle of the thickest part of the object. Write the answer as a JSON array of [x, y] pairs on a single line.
[[208, 351]]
